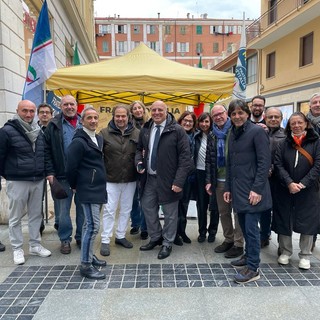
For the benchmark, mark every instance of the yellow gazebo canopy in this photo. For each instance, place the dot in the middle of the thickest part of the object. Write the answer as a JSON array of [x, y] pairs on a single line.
[[144, 75]]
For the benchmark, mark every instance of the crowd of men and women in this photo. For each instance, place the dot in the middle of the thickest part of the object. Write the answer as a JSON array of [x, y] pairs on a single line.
[[237, 163]]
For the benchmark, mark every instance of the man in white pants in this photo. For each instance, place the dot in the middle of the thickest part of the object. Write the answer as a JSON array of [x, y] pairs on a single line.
[[119, 147], [22, 165]]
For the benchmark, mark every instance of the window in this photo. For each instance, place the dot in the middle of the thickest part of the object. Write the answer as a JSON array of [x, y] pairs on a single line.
[[199, 30], [182, 47], [153, 45], [121, 47], [183, 30], [306, 50], [272, 11], [252, 69], [229, 47], [136, 29], [104, 28], [105, 46], [151, 29], [167, 30], [199, 48], [271, 65], [215, 29], [121, 28], [169, 47], [216, 47]]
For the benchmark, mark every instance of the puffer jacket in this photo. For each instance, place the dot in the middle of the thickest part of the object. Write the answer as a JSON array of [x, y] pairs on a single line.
[[18, 160]]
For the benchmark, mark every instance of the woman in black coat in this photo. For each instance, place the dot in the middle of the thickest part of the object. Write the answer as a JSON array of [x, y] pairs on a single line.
[[297, 201], [247, 186]]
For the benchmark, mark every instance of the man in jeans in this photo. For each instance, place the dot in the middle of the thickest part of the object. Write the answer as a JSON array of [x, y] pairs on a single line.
[[22, 165], [58, 136]]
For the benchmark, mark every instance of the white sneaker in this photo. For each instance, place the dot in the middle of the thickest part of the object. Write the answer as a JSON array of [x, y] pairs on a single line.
[[283, 259], [304, 264], [18, 256], [40, 251]]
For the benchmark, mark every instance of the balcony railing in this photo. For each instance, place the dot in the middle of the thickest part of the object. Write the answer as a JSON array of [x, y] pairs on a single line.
[[276, 13]]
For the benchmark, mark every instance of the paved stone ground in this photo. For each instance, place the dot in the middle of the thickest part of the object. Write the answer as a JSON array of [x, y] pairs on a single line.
[[193, 283]]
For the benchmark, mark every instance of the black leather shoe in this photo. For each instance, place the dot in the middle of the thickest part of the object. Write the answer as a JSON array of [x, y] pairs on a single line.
[[144, 235], [97, 262], [185, 238], [178, 241], [78, 243], [201, 238], [2, 247], [151, 245], [164, 252], [92, 273]]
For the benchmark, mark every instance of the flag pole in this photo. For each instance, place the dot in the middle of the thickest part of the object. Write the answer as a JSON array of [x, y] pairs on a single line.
[[240, 84]]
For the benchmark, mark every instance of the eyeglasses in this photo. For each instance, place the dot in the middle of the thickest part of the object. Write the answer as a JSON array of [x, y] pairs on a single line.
[[258, 105], [273, 117], [44, 112], [218, 114], [187, 121]]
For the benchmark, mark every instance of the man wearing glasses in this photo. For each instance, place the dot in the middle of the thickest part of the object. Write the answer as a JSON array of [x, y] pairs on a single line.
[[44, 112], [257, 109]]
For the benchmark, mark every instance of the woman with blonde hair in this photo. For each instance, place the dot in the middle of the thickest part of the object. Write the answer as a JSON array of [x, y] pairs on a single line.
[[140, 116]]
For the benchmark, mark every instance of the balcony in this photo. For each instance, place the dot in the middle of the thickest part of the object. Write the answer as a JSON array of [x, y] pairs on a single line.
[[282, 18]]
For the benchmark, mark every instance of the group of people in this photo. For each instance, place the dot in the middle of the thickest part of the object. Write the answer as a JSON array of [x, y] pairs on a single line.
[[237, 163]]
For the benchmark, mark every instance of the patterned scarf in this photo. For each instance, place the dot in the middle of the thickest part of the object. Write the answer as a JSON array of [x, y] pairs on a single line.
[[221, 135], [32, 129], [314, 120]]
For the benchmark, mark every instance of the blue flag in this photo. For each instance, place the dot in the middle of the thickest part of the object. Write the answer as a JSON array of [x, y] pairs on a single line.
[[240, 85], [42, 62]]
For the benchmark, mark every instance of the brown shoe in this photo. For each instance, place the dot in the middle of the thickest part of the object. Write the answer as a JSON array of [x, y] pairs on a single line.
[[65, 247]]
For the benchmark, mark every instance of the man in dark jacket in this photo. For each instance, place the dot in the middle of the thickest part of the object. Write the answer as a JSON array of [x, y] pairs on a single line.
[[22, 165], [120, 140], [273, 117], [58, 136], [163, 157], [86, 175]]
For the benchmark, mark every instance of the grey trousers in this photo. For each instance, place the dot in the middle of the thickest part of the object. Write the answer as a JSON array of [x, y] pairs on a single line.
[[230, 233], [305, 244], [150, 207], [24, 197]]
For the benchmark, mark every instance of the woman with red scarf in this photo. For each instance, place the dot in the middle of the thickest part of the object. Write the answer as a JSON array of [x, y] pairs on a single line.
[[296, 205]]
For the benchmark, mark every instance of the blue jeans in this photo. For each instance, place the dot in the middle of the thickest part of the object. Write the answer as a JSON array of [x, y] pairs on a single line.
[[90, 230], [265, 225], [63, 210], [137, 215], [249, 223]]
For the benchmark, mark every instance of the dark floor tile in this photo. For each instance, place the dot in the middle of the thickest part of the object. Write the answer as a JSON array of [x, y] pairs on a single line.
[[89, 285], [182, 284], [59, 286], [209, 283], [155, 284], [276, 283], [195, 284], [129, 278], [115, 284], [289, 283], [30, 310], [36, 301], [168, 284], [180, 277], [14, 310], [25, 317], [26, 293], [141, 284], [12, 294], [20, 302], [303, 283], [6, 301], [128, 284], [100, 285], [263, 283], [73, 286]]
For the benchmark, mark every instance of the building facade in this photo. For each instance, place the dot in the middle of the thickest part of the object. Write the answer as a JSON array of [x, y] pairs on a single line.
[[180, 40], [70, 21], [283, 60]]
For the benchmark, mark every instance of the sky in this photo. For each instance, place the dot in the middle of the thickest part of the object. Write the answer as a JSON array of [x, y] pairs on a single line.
[[225, 9]]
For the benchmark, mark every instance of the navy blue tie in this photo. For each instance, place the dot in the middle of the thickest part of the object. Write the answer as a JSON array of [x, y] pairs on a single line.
[[153, 162]]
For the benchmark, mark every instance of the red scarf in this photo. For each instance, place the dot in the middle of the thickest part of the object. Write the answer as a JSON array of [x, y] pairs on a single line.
[[299, 139]]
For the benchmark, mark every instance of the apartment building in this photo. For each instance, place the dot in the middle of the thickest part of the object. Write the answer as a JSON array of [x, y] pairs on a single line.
[[283, 60], [70, 21], [180, 40]]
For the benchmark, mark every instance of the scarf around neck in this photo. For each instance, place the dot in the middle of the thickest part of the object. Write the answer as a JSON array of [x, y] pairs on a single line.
[[221, 135], [31, 130]]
